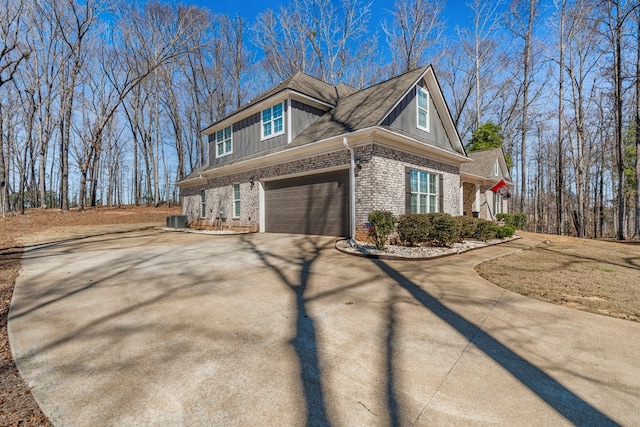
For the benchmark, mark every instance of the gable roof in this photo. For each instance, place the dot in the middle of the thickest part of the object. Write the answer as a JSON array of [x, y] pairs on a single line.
[[301, 83], [369, 107], [484, 162], [361, 109], [306, 85], [353, 111]]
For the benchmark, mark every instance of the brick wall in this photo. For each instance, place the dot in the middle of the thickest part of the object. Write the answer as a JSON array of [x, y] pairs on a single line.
[[469, 196], [380, 184], [219, 191]]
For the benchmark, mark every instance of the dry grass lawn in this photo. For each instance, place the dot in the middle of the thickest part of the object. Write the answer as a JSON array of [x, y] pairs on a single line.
[[17, 406], [598, 276]]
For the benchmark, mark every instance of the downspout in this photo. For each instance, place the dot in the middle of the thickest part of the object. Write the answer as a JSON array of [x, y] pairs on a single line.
[[352, 191]]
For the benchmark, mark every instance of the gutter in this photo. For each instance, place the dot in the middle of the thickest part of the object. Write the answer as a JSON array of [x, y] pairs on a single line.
[[352, 192]]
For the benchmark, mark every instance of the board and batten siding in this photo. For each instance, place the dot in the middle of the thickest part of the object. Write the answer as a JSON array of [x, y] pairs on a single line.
[[246, 138], [404, 117], [302, 116]]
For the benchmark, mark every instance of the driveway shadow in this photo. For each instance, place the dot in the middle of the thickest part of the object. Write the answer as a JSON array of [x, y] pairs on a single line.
[[305, 342], [557, 396]]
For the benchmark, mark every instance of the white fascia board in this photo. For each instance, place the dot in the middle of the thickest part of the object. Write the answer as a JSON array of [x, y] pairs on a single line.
[[321, 105], [360, 137], [291, 154], [441, 107], [419, 147], [477, 179], [256, 108], [191, 181]]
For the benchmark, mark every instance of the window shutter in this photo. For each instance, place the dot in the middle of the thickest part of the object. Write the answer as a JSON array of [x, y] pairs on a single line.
[[407, 190], [440, 193]]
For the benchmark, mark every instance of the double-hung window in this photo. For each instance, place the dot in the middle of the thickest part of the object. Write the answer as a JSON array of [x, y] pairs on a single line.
[[423, 109], [497, 203], [423, 187], [236, 200], [273, 121], [224, 142]]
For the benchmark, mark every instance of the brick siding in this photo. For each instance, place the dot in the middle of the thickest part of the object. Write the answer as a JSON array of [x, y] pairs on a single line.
[[380, 184]]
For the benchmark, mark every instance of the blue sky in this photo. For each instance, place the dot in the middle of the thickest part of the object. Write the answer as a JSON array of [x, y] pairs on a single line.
[[457, 13]]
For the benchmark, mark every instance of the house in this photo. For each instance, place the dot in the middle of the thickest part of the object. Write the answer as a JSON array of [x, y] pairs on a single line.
[[485, 184], [312, 158]]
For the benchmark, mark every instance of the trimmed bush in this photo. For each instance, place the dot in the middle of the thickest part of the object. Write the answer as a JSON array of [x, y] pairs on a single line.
[[518, 221], [443, 230], [413, 229], [485, 230], [505, 231], [383, 224], [466, 226]]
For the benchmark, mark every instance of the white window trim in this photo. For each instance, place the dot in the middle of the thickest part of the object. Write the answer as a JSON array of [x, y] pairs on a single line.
[[419, 193], [273, 134], [497, 204], [418, 109], [215, 140], [236, 200], [496, 169]]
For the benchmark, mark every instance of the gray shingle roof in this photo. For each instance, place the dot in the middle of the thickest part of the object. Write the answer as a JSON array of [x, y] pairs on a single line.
[[483, 162], [360, 110], [305, 84], [299, 82]]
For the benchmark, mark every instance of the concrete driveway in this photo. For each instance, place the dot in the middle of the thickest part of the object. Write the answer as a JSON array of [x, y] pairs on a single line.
[[161, 328]]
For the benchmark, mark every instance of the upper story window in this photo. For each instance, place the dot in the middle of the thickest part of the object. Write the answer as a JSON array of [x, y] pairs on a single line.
[[224, 142], [496, 169], [423, 109], [272, 121]]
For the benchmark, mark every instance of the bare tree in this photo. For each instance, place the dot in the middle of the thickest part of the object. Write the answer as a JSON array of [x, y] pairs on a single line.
[[486, 19], [522, 17], [316, 37], [636, 234], [12, 52], [146, 39], [616, 13], [416, 27], [73, 22], [560, 147], [583, 58]]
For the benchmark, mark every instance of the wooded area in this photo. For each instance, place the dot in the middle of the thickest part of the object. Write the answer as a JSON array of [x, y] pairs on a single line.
[[101, 103]]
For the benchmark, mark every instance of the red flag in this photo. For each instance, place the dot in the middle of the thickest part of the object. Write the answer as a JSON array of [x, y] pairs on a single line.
[[498, 186]]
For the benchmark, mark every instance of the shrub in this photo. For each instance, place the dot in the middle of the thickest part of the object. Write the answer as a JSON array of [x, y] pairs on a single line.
[[505, 231], [443, 231], [485, 230], [518, 221], [413, 228], [383, 224], [466, 226]]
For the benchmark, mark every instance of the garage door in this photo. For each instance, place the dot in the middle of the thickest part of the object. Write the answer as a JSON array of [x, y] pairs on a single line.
[[312, 204]]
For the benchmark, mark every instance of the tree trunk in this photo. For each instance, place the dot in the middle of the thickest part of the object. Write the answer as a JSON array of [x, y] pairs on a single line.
[[560, 171], [4, 194], [525, 103], [636, 234], [617, 63]]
